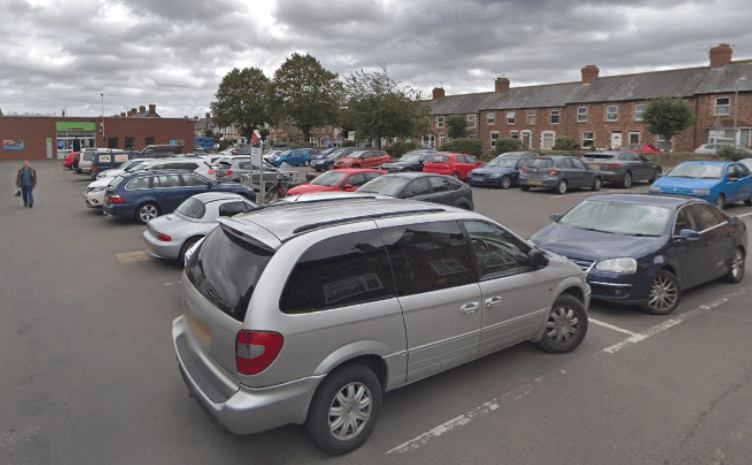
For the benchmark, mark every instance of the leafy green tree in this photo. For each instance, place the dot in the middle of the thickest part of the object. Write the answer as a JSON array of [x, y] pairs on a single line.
[[399, 148], [457, 126], [507, 144], [667, 116], [242, 98], [306, 93], [380, 108], [208, 133], [264, 134]]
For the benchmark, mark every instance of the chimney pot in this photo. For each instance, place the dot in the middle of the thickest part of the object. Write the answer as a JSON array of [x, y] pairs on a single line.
[[589, 74], [438, 92], [501, 84], [720, 56]]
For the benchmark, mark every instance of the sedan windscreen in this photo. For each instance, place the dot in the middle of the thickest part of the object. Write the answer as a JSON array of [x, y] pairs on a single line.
[[696, 171], [619, 218], [386, 185], [330, 178]]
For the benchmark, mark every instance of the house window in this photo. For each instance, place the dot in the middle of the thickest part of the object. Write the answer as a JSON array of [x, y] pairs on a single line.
[[634, 138], [130, 143], [547, 139], [431, 140], [531, 117], [661, 144], [514, 134], [148, 141], [112, 143], [439, 121], [442, 140], [510, 117], [611, 113], [494, 136], [490, 118], [554, 117], [582, 114], [639, 109], [588, 139], [471, 121], [722, 106]]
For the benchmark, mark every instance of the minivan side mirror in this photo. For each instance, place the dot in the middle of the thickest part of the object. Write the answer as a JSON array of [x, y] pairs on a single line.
[[537, 258], [555, 218]]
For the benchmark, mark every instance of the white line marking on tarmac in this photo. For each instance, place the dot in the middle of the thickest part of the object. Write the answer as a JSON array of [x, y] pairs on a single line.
[[610, 326], [171, 284], [744, 214]]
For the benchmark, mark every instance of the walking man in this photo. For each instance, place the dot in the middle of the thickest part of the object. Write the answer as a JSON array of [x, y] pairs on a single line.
[[27, 180]]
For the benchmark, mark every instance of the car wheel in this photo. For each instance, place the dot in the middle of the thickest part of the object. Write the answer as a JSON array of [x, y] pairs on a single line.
[[597, 184], [627, 181], [456, 176], [93, 175], [736, 266], [561, 187], [565, 327], [187, 245], [506, 183], [525, 188], [664, 294], [720, 201], [306, 162], [146, 211], [654, 176], [344, 409]]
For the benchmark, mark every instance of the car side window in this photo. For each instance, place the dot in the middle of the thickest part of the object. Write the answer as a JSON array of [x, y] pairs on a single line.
[[417, 187], [685, 219], [138, 184], [429, 257], [704, 216], [194, 181], [356, 180], [732, 172], [564, 163], [371, 175], [232, 208], [246, 165], [439, 184], [167, 181], [342, 271], [628, 156], [499, 253], [577, 163], [743, 170]]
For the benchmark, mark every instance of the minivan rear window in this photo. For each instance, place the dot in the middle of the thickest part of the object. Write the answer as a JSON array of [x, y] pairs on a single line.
[[226, 270]]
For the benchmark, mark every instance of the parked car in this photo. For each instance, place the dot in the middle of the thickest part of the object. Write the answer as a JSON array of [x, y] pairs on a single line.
[[421, 186], [337, 180], [161, 150], [717, 182], [68, 160], [271, 154], [746, 162], [623, 168], [363, 159], [130, 165], [639, 148], [294, 157], [94, 193], [321, 154], [232, 170], [86, 160], [106, 161], [236, 151], [647, 249], [503, 171], [559, 173], [327, 163], [147, 194], [411, 161], [458, 165], [357, 297], [170, 236]]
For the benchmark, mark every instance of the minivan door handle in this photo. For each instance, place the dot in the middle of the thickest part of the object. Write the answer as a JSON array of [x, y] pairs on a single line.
[[492, 302], [469, 308]]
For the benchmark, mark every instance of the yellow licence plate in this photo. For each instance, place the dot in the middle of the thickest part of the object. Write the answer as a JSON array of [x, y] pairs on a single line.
[[202, 331], [594, 166], [535, 183]]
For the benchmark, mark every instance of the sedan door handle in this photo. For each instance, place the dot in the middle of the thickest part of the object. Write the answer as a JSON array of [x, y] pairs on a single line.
[[493, 301], [469, 308]]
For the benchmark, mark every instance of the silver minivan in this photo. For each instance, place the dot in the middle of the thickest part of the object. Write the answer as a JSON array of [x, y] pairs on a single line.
[[357, 297]]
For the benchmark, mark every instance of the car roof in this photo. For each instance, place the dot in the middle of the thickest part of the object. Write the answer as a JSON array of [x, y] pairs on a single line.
[[516, 154], [206, 197], [355, 170], [133, 174], [716, 163], [414, 174], [666, 200]]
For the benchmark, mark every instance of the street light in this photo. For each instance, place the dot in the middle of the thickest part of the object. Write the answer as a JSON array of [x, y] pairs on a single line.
[[736, 110], [102, 116]]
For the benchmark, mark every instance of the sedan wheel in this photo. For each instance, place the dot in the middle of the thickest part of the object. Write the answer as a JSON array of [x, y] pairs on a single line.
[[146, 212], [505, 182], [720, 201], [597, 184], [566, 325], [664, 294], [654, 176], [627, 181], [736, 267], [561, 188]]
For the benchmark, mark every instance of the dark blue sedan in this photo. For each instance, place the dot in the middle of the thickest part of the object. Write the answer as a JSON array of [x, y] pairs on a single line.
[[147, 194], [647, 249], [503, 171]]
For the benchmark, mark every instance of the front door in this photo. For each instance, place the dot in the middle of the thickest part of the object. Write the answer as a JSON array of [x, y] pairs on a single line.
[[615, 140], [526, 140]]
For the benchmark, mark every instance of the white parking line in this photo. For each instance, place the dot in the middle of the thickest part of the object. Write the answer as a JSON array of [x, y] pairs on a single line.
[[610, 326], [745, 214], [171, 284], [519, 393]]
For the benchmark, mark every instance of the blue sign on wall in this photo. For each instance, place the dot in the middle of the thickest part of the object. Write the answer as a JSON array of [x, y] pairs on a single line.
[[60, 144], [13, 145]]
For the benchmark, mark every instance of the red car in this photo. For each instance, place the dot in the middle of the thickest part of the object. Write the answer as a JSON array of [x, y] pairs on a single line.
[[363, 159], [337, 180], [639, 148], [451, 164], [68, 162]]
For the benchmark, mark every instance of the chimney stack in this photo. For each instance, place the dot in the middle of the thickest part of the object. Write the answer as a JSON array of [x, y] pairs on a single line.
[[589, 74], [122, 114], [141, 109], [152, 108], [501, 84], [720, 56], [438, 92]]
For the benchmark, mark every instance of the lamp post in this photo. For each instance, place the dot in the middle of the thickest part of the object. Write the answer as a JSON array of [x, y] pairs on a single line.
[[102, 116], [736, 110]]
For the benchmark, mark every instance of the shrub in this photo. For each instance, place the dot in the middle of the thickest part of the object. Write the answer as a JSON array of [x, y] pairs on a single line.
[[468, 146], [564, 143], [507, 144], [488, 155], [731, 153], [348, 143], [399, 148]]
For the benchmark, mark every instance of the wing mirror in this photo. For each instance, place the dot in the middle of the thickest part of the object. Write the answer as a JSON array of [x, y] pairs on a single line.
[[688, 235], [555, 218], [537, 258], [347, 186]]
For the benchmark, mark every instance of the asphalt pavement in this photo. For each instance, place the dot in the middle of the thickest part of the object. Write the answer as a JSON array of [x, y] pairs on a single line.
[[88, 374]]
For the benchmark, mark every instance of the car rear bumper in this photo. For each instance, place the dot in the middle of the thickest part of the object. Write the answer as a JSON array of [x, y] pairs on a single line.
[[539, 182], [246, 410]]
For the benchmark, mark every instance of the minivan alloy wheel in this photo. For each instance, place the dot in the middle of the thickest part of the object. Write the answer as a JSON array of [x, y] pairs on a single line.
[[350, 411], [561, 187]]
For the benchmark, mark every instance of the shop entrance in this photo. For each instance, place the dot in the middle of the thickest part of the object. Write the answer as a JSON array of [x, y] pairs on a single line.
[[71, 141]]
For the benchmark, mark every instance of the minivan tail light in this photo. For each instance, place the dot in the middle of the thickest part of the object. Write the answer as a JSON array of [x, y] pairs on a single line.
[[116, 199], [552, 173], [256, 350]]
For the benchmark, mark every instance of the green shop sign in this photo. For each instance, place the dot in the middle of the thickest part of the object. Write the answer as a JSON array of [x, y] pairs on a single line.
[[75, 126]]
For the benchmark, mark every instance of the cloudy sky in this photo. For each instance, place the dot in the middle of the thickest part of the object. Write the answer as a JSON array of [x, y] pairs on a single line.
[[59, 54]]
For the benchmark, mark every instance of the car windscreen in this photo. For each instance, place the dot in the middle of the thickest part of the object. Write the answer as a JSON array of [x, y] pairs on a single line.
[[191, 208], [686, 170], [503, 162], [598, 156], [115, 183], [330, 178], [619, 218], [387, 185], [224, 165], [226, 270], [540, 163], [137, 166], [410, 157], [437, 159]]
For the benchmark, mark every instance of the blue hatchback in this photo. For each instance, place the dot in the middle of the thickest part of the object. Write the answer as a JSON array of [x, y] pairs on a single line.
[[147, 194], [295, 157], [647, 249], [718, 182], [503, 171]]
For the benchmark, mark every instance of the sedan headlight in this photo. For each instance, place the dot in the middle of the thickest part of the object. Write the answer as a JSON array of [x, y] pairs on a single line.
[[623, 265], [654, 189], [701, 191]]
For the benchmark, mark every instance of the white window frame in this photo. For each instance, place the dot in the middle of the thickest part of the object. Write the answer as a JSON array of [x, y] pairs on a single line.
[[543, 138], [510, 117], [490, 118], [721, 107], [639, 109], [493, 139], [582, 114], [470, 121], [439, 121], [530, 137], [591, 139], [531, 114], [553, 113], [615, 113], [514, 134], [629, 137]]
